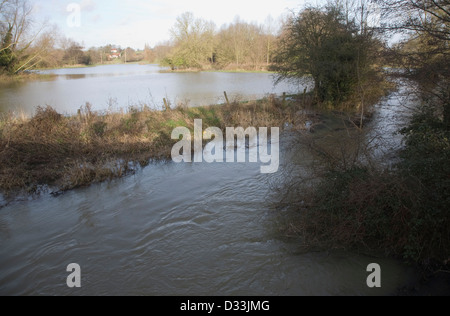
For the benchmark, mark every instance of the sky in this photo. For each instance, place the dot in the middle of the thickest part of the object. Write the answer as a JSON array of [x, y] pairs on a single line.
[[133, 23]]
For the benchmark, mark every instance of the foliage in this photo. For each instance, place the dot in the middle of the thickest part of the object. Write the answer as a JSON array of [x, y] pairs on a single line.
[[74, 55], [22, 46], [242, 44], [197, 44], [7, 58], [194, 42], [424, 52], [426, 161], [324, 44], [403, 211]]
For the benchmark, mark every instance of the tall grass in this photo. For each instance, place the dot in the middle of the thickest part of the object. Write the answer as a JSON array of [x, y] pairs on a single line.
[[69, 152]]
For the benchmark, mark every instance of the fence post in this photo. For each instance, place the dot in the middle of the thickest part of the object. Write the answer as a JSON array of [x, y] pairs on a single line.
[[166, 104], [226, 97]]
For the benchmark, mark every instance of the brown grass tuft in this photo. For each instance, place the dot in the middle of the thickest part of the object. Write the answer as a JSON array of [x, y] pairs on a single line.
[[69, 152]]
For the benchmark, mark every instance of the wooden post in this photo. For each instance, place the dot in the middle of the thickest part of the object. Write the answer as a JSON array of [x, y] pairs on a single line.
[[166, 104], [226, 97], [284, 100]]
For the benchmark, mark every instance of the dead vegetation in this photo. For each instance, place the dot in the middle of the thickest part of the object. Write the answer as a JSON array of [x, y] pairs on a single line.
[[69, 152]]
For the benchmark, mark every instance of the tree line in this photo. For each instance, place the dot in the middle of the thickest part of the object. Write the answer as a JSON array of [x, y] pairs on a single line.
[[197, 43], [340, 45], [27, 44], [346, 48]]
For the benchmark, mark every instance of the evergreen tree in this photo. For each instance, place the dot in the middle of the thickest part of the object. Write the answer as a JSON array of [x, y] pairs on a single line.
[[7, 57]]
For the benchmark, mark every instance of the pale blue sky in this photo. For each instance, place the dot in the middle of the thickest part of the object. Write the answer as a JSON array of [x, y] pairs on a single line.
[[136, 22]]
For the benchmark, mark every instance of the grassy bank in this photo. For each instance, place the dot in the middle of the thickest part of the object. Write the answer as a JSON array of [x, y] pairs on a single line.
[[105, 63], [4, 79], [69, 152], [232, 70], [195, 70]]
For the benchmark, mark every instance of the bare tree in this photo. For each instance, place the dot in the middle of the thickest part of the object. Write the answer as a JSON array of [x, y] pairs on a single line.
[[194, 41], [2, 4], [270, 31], [19, 32], [425, 16], [425, 53], [243, 44]]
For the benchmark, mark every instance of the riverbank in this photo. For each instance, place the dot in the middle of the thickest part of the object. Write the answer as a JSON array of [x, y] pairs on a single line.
[[237, 70], [107, 63], [382, 191], [167, 69], [69, 152], [24, 77]]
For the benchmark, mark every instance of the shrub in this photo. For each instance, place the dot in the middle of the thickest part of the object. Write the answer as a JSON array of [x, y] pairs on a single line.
[[404, 212]]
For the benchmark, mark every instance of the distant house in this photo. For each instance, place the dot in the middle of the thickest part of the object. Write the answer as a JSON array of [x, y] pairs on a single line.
[[114, 54]]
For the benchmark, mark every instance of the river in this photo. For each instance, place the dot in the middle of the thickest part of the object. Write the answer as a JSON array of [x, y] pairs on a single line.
[[178, 229], [115, 87], [195, 229]]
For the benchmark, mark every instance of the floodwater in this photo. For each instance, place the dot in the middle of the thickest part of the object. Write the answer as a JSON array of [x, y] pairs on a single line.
[[178, 229], [114, 87], [188, 229]]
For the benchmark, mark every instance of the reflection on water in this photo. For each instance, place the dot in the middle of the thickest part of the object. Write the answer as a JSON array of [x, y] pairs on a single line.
[[391, 115], [129, 85], [73, 77]]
